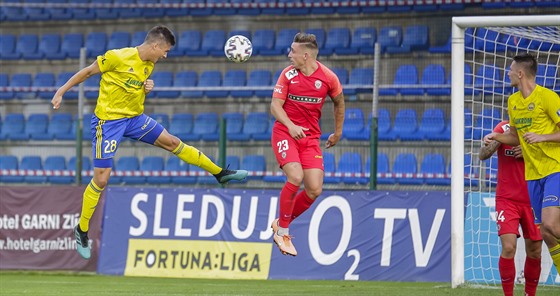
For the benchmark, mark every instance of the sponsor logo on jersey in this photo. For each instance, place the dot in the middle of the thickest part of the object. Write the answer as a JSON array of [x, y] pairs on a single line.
[[278, 89], [509, 152], [550, 198], [305, 99], [505, 127], [521, 123], [291, 74]]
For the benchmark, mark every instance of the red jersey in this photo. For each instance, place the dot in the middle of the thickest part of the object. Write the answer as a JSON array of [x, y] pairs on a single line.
[[511, 172], [304, 96]]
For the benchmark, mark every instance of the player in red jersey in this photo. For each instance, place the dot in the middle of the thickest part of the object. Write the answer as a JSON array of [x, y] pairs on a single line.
[[297, 100], [513, 208]]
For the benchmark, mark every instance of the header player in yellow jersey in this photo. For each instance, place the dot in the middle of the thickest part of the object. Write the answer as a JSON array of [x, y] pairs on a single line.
[[119, 113], [534, 115]]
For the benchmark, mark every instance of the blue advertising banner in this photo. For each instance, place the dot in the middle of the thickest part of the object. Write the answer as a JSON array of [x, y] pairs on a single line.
[[225, 233]]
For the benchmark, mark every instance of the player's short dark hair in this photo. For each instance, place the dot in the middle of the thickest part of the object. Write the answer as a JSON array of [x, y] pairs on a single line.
[[528, 62], [160, 33], [308, 40]]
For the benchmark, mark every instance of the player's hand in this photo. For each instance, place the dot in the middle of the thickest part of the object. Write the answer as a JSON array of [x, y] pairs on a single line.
[[533, 138], [297, 132], [148, 85], [517, 153], [489, 138], [56, 101], [332, 140]]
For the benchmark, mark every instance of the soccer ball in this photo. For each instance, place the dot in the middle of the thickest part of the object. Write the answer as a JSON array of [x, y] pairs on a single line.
[[238, 49]]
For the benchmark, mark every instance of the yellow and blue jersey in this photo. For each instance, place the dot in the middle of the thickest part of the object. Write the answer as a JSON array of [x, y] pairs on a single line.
[[538, 113], [121, 92]]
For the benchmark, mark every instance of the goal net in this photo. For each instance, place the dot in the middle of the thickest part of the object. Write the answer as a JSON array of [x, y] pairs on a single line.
[[489, 46]]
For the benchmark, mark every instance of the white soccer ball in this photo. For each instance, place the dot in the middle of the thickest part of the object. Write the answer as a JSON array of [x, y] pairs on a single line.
[[238, 48]]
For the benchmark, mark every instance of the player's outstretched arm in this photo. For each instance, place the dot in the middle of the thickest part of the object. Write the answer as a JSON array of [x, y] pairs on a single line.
[[487, 150], [76, 79], [510, 138]]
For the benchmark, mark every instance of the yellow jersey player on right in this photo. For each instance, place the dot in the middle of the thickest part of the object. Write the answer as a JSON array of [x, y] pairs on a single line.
[[534, 113]]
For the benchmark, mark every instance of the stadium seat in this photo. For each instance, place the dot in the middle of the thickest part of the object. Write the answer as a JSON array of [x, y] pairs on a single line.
[[188, 43], [221, 10], [488, 78], [432, 125], [86, 168], [390, 36], [106, 13], [266, 135], [59, 13], [546, 75], [491, 171], [317, 8], [173, 11], [32, 163], [83, 13], [22, 80], [416, 37], [138, 37], [255, 123], [60, 126], [10, 163], [348, 9], [361, 79], [258, 78], [61, 79], [181, 126], [45, 79], [406, 125], [329, 163], [383, 167], [127, 12], [263, 41], [384, 126], [71, 45], [442, 48], [28, 46], [92, 82], [50, 47], [127, 164], [295, 10], [8, 47], [407, 165], [272, 10], [488, 41], [353, 128], [213, 43], [35, 48], [96, 44], [198, 11], [284, 40], [37, 126], [118, 40], [233, 78], [484, 123], [15, 14], [57, 164], [434, 75], [154, 164], [151, 12], [206, 126], [161, 118], [374, 8], [321, 37], [13, 127], [174, 164], [163, 79], [212, 78], [245, 33], [5, 82], [188, 79], [342, 75], [433, 164], [36, 13], [234, 126], [407, 75], [351, 163], [254, 164], [338, 39]]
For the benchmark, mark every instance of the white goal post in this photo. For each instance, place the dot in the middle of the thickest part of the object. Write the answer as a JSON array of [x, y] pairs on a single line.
[[458, 94]]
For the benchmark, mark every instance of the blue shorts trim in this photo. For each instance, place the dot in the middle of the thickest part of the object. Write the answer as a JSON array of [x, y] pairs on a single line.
[[544, 193]]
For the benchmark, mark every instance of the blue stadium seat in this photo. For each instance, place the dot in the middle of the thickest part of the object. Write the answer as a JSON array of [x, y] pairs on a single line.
[[488, 78], [432, 125], [491, 171], [261, 78], [50, 47], [60, 126], [363, 41], [154, 164], [200, 11], [342, 75], [434, 164], [84, 13], [406, 125], [321, 37], [181, 126], [45, 79], [138, 37], [57, 164], [163, 79], [221, 10], [407, 75], [263, 42], [383, 167], [86, 168], [206, 125], [434, 74], [106, 13], [86, 128], [37, 126], [212, 78], [351, 163], [237, 78], [118, 40], [22, 80], [16, 14], [71, 44], [61, 79], [416, 37], [266, 135], [254, 164], [9, 162], [233, 162], [96, 44], [547, 3], [92, 81], [294, 10], [174, 164], [360, 76], [174, 12], [271, 10], [256, 123], [283, 42], [32, 162], [546, 75], [129, 12], [487, 40], [205, 177], [151, 12], [406, 164], [213, 43], [13, 127], [28, 45], [234, 126], [471, 172], [161, 118], [485, 122], [329, 163], [36, 13], [188, 43], [317, 8], [130, 163], [353, 128], [442, 48], [245, 33], [384, 126], [425, 7], [338, 39], [349, 9], [8, 47], [5, 82], [390, 36], [188, 79], [59, 13]]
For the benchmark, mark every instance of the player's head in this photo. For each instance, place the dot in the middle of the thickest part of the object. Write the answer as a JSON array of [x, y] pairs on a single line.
[[304, 48], [160, 40], [524, 66]]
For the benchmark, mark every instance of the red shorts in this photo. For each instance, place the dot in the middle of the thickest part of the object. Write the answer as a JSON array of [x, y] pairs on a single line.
[[509, 215], [306, 151]]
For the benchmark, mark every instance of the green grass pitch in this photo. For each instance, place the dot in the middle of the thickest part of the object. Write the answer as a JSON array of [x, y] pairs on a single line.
[[56, 283]]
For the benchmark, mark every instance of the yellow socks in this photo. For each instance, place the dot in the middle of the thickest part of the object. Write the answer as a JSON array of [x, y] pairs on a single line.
[[91, 197], [555, 254], [191, 155]]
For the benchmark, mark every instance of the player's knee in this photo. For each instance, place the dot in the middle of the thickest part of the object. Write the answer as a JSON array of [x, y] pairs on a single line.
[[508, 250], [295, 179], [313, 193], [549, 228]]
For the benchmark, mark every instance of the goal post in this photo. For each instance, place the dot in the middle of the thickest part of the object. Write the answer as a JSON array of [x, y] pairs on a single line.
[[491, 43]]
